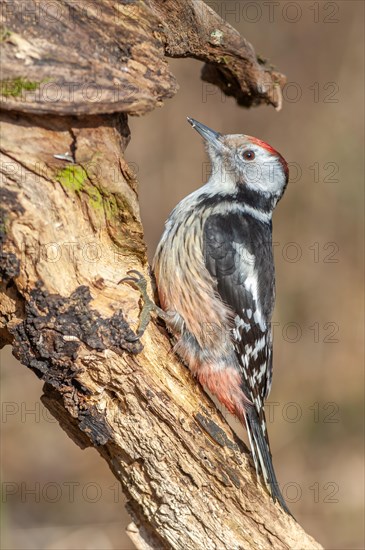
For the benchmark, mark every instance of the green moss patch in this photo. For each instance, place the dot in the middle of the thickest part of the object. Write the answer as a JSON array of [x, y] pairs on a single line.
[[14, 87], [4, 33], [72, 177], [75, 178]]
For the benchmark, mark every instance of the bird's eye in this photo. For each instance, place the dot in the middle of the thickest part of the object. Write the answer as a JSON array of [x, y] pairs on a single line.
[[248, 155]]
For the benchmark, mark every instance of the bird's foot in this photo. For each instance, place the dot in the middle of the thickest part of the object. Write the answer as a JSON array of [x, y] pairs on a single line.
[[139, 281]]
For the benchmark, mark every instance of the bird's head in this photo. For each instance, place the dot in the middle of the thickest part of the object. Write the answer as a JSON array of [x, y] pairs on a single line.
[[241, 162]]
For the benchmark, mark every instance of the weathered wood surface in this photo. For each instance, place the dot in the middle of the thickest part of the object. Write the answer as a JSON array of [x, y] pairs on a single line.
[[192, 29], [73, 58], [69, 233]]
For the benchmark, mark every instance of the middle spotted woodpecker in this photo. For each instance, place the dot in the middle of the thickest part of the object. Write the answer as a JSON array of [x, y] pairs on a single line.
[[215, 277]]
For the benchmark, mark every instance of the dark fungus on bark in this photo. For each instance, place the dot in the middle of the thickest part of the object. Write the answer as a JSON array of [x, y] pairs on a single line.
[[49, 338], [9, 263], [48, 341], [83, 423]]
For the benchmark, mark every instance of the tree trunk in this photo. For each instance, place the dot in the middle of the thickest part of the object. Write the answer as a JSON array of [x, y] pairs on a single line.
[[71, 230]]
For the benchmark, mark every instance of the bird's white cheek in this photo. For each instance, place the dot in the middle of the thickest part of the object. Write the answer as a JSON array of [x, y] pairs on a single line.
[[266, 176], [253, 173], [223, 177]]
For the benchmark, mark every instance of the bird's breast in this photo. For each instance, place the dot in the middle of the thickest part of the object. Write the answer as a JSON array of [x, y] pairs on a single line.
[[184, 284]]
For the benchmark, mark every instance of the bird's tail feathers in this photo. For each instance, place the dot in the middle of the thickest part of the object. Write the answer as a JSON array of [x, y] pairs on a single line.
[[262, 456]]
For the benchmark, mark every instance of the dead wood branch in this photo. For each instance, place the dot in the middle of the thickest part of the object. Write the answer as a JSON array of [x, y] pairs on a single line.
[[71, 230]]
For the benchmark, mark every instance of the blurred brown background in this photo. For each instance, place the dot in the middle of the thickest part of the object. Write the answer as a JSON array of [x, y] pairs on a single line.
[[55, 496]]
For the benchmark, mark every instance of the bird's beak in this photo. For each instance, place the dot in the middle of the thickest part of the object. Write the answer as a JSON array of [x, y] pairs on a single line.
[[209, 135]]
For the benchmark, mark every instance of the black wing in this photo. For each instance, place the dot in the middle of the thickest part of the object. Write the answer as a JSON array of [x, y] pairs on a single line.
[[238, 255]]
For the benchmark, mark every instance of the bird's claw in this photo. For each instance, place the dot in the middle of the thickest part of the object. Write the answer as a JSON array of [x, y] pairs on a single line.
[[140, 282]]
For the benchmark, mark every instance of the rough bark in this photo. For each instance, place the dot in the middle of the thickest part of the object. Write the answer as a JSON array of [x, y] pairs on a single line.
[[71, 230]]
